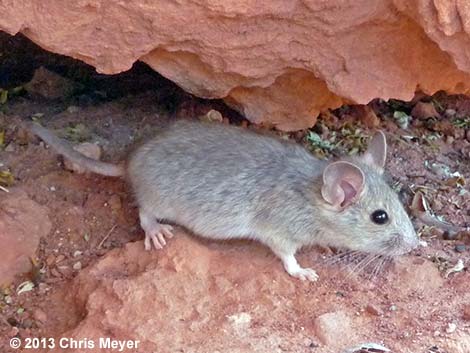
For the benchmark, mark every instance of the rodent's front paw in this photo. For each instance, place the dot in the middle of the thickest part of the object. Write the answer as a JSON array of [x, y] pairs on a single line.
[[156, 236], [305, 274]]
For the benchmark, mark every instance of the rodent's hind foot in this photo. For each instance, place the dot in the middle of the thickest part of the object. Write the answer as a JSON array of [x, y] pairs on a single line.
[[293, 268], [156, 236]]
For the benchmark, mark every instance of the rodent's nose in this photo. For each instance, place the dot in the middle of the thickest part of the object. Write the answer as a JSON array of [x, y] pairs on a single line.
[[413, 244]]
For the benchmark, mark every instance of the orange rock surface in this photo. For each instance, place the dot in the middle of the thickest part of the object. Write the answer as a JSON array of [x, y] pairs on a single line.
[[277, 61], [22, 223]]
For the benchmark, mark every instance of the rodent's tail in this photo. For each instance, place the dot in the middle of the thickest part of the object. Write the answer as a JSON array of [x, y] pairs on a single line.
[[65, 149]]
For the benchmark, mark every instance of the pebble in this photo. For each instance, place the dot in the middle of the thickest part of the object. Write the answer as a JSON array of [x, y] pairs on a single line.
[[55, 273], [50, 260], [373, 310], [43, 288], [466, 312], [39, 315], [115, 203], [73, 109], [77, 253], [393, 308], [90, 150], [450, 112], [328, 325], [424, 110], [460, 248], [27, 323], [451, 327], [13, 331], [449, 235], [77, 266], [467, 135], [59, 258], [66, 271], [10, 148]]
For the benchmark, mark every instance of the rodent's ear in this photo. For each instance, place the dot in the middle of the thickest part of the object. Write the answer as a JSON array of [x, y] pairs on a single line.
[[342, 183], [376, 151]]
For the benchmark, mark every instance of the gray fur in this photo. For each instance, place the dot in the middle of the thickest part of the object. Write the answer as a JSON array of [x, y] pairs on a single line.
[[225, 182]]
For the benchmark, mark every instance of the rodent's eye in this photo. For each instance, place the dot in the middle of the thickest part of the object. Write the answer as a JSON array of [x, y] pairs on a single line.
[[379, 217]]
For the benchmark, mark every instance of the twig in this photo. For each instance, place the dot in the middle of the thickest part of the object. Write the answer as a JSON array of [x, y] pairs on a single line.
[[4, 189], [106, 236]]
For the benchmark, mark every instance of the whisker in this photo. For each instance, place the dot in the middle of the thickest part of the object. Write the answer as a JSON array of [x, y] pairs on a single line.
[[360, 265], [378, 266], [366, 264]]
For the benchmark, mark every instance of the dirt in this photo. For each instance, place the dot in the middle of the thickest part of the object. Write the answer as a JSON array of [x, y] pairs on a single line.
[[411, 306]]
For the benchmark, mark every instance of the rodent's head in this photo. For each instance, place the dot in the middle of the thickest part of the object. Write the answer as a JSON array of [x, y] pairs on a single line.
[[368, 215]]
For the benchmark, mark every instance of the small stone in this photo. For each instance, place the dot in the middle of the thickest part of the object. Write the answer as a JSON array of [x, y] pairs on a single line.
[[373, 310], [77, 266], [10, 147], [313, 345], [89, 150], [212, 116], [328, 325], [447, 235], [8, 299], [446, 127], [59, 258], [437, 204], [449, 139], [424, 110], [460, 248], [12, 321], [467, 135], [13, 331], [77, 253], [27, 323], [451, 327], [369, 118], [49, 85], [390, 125], [55, 273], [393, 308], [73, 109], [66, 271], [466, 312], [43, 288], [39, 315], [50, 260], [450, 112], [115, 203]]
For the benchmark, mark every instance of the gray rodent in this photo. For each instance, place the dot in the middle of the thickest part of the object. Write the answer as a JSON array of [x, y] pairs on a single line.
[[224, 182]]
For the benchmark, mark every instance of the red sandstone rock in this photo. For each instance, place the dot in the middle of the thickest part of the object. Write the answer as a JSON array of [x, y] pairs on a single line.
[[277, 61], [424, 110], [336, 330], [22, 223]]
